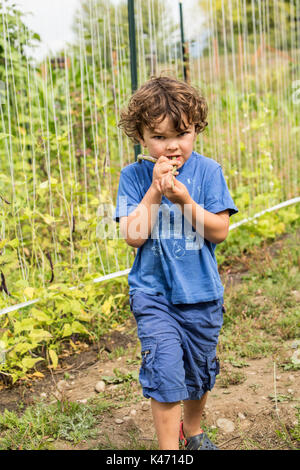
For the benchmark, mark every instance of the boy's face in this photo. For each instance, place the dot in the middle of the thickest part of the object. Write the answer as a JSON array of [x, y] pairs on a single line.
[[166, 141]]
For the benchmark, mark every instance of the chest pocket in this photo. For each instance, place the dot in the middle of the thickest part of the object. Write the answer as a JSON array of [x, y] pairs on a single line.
[[177, 233]]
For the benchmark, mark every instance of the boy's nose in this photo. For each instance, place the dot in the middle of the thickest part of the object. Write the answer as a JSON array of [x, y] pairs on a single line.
[[172, 145]]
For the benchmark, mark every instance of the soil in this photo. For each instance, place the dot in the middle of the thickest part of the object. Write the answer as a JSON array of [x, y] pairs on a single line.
[[249, 405], [256, 418]]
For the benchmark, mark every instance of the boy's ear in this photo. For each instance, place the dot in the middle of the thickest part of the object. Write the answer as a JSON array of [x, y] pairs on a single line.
[[141, 141], [195, 137]]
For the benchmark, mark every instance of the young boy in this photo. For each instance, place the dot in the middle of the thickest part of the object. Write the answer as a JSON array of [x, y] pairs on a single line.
[[174, 211]]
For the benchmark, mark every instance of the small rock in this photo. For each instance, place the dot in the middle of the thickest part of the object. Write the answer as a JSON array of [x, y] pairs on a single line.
[[62, 385], [225, 425], [57, 395], [133, 412], [291, 378], [241, 416], [84, 400], [295, 344], [245, 424], [43, 395], [296, 357], [119, 421], [100, 386], [145, 405], [291, 391], [296, 293], [113, 387]]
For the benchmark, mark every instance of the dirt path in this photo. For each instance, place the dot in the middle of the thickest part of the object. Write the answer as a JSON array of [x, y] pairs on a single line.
[[242, 416], [252, 406]]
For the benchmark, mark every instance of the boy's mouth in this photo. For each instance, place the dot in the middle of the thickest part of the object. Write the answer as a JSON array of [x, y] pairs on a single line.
[[173, 156]]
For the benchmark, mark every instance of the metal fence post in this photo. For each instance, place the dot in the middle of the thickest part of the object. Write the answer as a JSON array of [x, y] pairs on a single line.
[[133, 62]]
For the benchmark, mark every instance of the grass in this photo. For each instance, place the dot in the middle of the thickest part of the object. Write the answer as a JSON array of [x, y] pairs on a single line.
[[134, 443], [262, 311], [231, 378], [42, 423]]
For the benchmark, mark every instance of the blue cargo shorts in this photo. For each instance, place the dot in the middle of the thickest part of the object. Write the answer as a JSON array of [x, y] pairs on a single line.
[[178, 345]]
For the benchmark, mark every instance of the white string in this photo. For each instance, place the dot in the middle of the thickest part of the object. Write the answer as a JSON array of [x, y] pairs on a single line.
[[126, 271]]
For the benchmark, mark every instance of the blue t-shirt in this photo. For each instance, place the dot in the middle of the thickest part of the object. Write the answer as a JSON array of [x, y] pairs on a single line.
[[175, 260]]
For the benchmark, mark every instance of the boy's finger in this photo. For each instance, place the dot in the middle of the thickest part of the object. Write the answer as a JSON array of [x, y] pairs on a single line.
[[165, 168], [162, 159]]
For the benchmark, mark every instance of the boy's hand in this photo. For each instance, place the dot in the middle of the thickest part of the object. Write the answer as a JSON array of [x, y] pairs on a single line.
[[162, 168], [177, 192]]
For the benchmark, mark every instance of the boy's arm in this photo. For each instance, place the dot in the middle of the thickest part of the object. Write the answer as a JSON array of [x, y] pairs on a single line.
[[137, 227], [213, 227]]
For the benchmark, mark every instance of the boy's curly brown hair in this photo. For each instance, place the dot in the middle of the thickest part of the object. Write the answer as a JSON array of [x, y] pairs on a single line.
[[162, 97]]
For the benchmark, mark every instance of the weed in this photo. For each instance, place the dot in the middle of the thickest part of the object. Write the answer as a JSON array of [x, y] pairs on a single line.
[[290, 435], [132, 443], [281, 398], [41, 424], [229, 377], [116, 353], [295, 432], [120, 377]]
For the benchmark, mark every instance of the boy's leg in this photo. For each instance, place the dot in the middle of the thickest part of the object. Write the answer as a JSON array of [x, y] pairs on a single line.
[[193, 410], [166, 417]]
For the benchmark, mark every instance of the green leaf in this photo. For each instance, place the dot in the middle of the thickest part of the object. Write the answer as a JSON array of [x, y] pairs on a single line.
[[41, 316], [14, 243], [22, 347], [40, 335], [67, 331], [75, 307], [26, 324], [29, 292], [29, 362], [53, 357], [78, 328], [49, 219], [3, 135], [3, 243]]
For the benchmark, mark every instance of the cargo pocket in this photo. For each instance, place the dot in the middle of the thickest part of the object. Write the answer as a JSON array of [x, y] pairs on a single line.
[[213, 367], [130, 302], [149, 376], [196, 372]]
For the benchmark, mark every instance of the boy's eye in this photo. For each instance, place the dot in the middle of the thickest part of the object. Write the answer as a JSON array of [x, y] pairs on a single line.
[[159, 137]]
